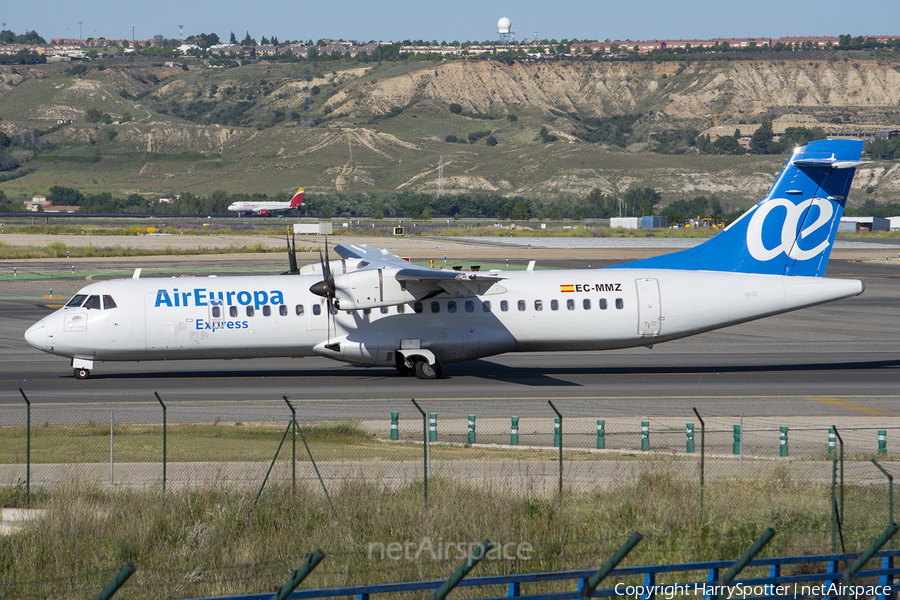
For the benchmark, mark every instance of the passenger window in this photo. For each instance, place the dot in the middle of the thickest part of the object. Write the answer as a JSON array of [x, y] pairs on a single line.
[[620, 303], [108, 303], [417, 307], [250, 311], [435, 306], [602, 303], [401, 308], [232, 310], [538, 305], [216, 312], [299, 310], [486, 306], [521, 305], [451, 307], [384, 310], [282, 310], [93, 302], [554, 305], [76, 301], [317, 309], [504, 305], [570, 304], [586, 304], [470, 306], [267, 311]]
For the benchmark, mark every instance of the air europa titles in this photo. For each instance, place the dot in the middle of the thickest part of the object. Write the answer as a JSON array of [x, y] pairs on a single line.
[[591, 287], [202, 297]]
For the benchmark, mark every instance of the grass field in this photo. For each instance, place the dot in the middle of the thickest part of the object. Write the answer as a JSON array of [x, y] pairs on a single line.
[[214, 541]]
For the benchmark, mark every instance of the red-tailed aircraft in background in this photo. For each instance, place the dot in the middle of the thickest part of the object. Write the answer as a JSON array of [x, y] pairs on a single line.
[[264, 209]]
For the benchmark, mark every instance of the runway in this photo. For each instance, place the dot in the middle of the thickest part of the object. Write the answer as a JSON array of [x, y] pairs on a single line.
[[840, 360]]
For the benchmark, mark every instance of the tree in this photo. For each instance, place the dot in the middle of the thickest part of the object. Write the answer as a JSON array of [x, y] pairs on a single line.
[[520, 212], [65, 196], [455, 108], [761, 142], [646, 198], [232, 39], [491, 141]]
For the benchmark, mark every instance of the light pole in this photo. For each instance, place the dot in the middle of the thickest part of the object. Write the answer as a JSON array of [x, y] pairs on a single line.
[[80, 35]]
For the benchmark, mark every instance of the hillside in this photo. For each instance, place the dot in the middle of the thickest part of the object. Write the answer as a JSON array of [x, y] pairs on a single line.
[[383, 128]]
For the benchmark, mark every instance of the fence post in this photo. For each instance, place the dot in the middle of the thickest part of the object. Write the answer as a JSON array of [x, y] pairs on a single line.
[[313, 461], [689, 431], [299, 575], [164, 439], [739, 565], [890, 496], [432, 427], [514, 432], [645, 435], [874, 547], [783, 442], [470, 438], [702, 456], [837, 514], [27, 451], [395, 424], [111, 422], [556, 426], [462, 571], [274, 458], [294, 449], [736, 445], [587, 590], [559, 414], [882, 442], [831, 442], [424, 446], [601, 434], [116, 582]]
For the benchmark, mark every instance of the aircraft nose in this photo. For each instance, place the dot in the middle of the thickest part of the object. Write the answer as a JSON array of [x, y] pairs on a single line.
[[37, 335]]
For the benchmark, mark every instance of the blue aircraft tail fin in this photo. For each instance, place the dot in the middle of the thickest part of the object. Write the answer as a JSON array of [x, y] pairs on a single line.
[[789, 232]]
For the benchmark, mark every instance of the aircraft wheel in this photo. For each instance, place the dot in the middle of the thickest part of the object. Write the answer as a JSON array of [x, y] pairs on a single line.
[[424, 370], [82, 373]]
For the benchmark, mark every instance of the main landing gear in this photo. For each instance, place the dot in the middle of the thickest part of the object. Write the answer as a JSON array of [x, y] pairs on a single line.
[[82, 373], [419, 366], [425, 370]]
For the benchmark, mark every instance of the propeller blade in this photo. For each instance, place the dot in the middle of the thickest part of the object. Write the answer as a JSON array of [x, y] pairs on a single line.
[[292, 257]]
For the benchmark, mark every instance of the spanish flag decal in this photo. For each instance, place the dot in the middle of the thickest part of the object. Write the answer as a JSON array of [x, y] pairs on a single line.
[[567, 288]]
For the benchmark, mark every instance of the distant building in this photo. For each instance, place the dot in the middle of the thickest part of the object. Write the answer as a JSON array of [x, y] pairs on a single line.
[[849, 224], [49, 208]]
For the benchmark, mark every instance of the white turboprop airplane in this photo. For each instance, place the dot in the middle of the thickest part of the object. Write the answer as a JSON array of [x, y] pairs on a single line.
[[263, 209], [373, 308]]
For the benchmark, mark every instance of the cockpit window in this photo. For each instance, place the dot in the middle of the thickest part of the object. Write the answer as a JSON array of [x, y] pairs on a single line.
[[109, 303], [93, 302], [76, 301]]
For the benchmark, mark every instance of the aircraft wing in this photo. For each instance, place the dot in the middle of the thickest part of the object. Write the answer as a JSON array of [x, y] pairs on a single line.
[[421, 282]]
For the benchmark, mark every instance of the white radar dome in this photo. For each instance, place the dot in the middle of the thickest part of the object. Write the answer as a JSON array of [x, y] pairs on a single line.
[[503, 25]]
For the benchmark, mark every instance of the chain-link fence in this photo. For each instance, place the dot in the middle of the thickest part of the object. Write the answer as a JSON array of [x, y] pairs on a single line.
[[193, 444], [698, 493]]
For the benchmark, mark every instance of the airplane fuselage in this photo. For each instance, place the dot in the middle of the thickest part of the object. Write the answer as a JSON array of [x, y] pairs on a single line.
[[277, 316]]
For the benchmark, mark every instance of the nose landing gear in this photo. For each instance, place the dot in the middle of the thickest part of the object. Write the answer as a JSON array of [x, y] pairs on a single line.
[[82, 373]]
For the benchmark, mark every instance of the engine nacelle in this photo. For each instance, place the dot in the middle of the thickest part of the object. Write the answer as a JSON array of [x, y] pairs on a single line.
[[264, 213], [370, 288]]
